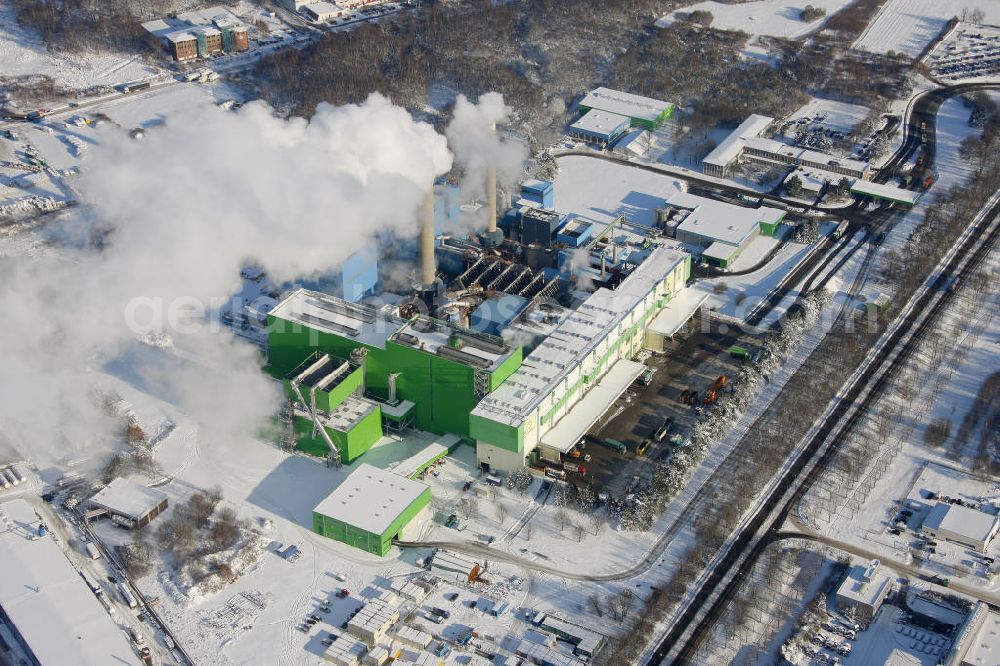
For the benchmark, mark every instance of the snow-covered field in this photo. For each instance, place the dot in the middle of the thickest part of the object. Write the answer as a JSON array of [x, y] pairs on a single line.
[[908, 26], [774, 18], [22, 53]]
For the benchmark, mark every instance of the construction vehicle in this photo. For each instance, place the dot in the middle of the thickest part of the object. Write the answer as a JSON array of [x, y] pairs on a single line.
[[555, 473], [719, 382], [574, 453], [838, 233], [664, 430], [710, 397], [642, 448], [683, 396], [739, 352]]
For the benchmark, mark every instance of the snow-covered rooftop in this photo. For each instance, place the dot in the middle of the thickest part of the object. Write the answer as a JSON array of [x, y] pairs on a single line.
[[721, 221], [732, 145], [349, 413], [864, 585], [573, 338], [476, 349], [963, 521], [625, 104], [985, 648], [884, 191], [371, 498], [439, 447], [719, 251], [677, 311], [128, 497], [334, 315], [48, 602], [600, 122]]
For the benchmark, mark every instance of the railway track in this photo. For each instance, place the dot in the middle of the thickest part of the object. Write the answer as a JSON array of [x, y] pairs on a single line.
[[723, 581]]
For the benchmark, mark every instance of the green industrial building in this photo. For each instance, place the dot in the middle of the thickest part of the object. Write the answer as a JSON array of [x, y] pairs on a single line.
[[425, 370], [328, 394], [644, 112], [370, 509]]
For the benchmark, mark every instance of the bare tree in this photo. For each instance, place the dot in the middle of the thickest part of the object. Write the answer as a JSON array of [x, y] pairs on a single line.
[[468, 507], [562, 518], [578, 531], [598, 521], [595, 605], [501, 510]]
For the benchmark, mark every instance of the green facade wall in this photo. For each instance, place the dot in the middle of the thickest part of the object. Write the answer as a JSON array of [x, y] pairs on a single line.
[[377, 544], [641, 122], [443, 390], [351, 444], [328, 401], [496, 433]]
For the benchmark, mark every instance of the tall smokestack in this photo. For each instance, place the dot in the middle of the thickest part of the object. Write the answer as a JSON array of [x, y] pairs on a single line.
[[491, 199], [427, 269]]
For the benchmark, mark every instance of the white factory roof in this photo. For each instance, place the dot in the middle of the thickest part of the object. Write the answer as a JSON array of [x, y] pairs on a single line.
[[732, 145], [322, 9], [410, 466], [128, 497], [858, 590], [721, 221], [334, 315], [985, 648], [370, 498], [600, 122], [625, 104], [720, 251], [48, 602], [960, 520], [430, 337], [676, 312], [892, 192], [578, 420], [573, 338]]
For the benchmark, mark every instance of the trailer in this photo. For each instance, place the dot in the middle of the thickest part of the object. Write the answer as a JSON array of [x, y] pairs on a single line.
[[127, 595], [10, 476], [838, 233], [136, 86], [92, 550], [739, 352]]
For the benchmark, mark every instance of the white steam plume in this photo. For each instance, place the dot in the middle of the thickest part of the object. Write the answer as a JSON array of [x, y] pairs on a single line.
[[187, 206], [477, 145]]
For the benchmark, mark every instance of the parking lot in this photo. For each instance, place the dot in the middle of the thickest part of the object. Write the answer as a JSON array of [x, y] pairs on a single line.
[[692, 363], [970, 52]]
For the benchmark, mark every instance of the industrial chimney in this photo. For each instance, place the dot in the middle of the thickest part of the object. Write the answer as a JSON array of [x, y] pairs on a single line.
[[427, 269], [425, 287], [492, 237]]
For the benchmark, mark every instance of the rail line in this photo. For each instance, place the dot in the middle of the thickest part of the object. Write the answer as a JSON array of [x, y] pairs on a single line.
[[725, 578]]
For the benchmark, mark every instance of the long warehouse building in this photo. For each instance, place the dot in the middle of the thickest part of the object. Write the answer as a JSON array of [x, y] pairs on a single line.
[[576, 373]]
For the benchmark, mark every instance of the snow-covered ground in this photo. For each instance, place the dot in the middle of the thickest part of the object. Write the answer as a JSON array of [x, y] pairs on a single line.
[[831, 114], [908, 26], [22, 53], [774, 18], [744, 292]]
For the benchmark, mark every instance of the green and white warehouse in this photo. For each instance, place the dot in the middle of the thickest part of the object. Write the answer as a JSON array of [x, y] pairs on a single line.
[[370, 508], [578, 371]]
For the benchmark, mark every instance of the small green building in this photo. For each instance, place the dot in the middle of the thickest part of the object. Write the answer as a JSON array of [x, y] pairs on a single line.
[[644, 112], [370, 509]]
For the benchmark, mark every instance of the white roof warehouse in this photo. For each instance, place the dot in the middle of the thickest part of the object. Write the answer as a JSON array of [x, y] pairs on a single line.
[[53, 613], [968, 527], [644, 111]]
